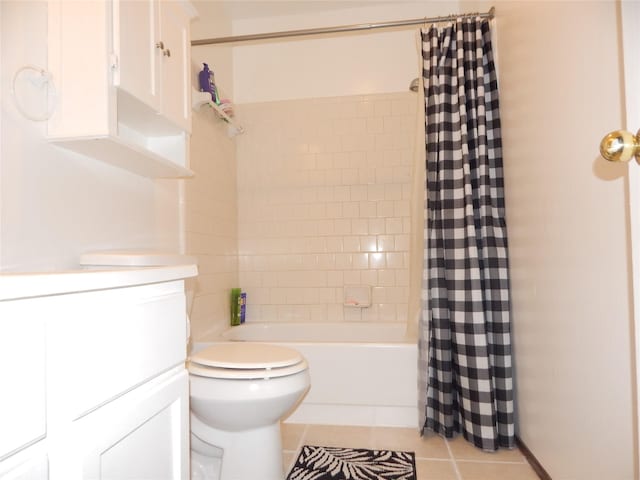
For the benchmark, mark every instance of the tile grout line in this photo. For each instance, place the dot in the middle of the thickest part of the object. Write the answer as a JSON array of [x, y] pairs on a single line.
[[453, 460]]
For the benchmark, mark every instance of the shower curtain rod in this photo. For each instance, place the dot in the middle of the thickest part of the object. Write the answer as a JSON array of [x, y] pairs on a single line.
[[342, 28]]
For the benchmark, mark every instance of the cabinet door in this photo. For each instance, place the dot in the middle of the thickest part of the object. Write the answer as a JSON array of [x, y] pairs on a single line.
[[176, 83], [22, 370], [29, 464], [137, 48], [143, 435]]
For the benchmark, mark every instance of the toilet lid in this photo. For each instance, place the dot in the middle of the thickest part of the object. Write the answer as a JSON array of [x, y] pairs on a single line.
[[246, 360]]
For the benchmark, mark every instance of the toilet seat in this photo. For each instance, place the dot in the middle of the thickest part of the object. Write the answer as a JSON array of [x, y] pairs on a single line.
[[240, 360]]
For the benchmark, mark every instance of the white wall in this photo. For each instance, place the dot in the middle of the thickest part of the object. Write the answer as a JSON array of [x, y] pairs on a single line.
[[55, 204], [560, 92], [332, 65]]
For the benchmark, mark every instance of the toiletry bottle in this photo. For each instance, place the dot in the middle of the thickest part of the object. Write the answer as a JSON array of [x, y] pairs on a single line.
[[243, 306], [207, 83], [235, 306]]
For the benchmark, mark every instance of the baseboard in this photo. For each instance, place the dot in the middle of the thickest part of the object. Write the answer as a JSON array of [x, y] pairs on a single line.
[[533, 461]]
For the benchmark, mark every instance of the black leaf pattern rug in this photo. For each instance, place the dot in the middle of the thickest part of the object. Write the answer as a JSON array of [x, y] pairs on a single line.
[[335, 463]]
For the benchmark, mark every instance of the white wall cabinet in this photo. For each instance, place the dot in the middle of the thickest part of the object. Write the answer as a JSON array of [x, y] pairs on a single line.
[[151, 47], [122, 72], [94, 382]]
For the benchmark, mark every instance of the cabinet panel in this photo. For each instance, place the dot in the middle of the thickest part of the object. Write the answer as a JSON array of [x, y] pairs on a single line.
[[33, 466], [135, 37], [176, 91], [149, 440], [138, 339], [22, 370]]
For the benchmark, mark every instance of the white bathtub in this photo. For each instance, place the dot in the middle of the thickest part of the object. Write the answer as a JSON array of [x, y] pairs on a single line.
[[361, 374]]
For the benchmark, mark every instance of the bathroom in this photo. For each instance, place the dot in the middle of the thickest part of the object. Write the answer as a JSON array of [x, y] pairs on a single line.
[[560, 92]]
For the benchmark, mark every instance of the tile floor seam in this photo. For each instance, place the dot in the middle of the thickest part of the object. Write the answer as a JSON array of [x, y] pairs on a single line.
[[502, 462], [431, 458], [453, 461]]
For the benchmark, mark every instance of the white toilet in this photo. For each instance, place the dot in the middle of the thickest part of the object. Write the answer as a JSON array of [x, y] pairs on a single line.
[[239, 393]]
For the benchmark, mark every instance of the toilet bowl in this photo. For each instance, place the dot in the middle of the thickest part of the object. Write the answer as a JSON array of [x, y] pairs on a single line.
[[239, 393]]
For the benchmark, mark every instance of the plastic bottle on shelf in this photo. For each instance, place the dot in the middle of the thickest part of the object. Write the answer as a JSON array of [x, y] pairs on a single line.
[[207, 83]]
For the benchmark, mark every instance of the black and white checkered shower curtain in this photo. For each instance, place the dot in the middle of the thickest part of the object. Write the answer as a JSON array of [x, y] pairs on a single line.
[[466, 371]]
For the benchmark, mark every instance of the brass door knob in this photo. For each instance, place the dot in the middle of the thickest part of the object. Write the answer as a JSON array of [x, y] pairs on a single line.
[[620, 146]]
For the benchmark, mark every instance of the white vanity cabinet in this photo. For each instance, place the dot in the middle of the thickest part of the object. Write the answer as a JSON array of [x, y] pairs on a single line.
[[23, 391], [94, 384], [121, 69]]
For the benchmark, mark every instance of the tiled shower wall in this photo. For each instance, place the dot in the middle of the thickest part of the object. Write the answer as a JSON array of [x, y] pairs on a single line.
[[211, 224], [323, 202]]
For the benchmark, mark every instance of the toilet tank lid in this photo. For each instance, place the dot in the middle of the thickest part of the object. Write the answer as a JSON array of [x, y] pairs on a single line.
[[135, 258]]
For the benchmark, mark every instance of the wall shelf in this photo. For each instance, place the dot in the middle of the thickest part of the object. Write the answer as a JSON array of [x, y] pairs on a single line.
[[123, 154], [204, 98]]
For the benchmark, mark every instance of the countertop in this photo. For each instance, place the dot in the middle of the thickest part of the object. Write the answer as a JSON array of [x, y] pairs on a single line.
[[37, 284]]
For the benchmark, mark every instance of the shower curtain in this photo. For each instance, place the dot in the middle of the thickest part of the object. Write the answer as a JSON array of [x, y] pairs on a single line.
[[465, 345]]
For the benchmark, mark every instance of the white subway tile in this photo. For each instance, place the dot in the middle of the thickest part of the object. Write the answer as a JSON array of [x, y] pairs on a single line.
[[350, 176], [351, 209], [393, 191], [375, 125], [335, 278], [352, 277], [351, 243], [334, 244], [326, 261], [359, 226], [368, 243], [393, 225], [369, 277], [360, 261], [278, 296], [382, 108], [335, 313], [377, 260], [342, 193], [387, 278], [358, 192], [401, 243], [379, 294], [395, 260], [370, 314], [375, 192], [385, 209], [376, 226], [343, 261], [342, 226], [366, 109], [334, 210], [368, 209], [352, 314], [357, 159], [402, 277], [386, 243], [387, 312]]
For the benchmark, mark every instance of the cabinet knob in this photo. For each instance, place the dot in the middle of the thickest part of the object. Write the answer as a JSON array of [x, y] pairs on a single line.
[[160, 45], [166, 53]]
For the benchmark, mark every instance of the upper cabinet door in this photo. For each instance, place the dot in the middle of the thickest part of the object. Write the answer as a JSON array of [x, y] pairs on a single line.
[[138, 50], [175, 34]]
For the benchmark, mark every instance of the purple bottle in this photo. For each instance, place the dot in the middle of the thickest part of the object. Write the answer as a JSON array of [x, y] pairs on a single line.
[[207, 84]]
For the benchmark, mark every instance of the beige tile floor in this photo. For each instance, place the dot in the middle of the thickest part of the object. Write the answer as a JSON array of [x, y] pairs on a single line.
[[436, 459]]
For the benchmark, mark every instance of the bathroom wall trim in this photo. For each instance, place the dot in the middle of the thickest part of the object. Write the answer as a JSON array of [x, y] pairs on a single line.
[[533, 461]]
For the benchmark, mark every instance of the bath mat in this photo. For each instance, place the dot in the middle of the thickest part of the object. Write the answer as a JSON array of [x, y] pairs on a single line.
[[335, 463]]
